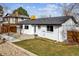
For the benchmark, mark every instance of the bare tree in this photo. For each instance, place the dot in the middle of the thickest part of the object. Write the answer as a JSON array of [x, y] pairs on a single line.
[[71, 9], [5, 8], [68, 8]]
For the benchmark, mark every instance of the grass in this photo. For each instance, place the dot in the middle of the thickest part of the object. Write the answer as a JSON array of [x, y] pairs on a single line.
[[46, 47]]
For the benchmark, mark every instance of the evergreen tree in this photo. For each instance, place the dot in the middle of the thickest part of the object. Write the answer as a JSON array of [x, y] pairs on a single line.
[[21, 11], [1, 10]]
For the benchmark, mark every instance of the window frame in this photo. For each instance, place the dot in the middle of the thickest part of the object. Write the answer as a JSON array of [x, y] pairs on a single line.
[[26, 27], [50, 28]]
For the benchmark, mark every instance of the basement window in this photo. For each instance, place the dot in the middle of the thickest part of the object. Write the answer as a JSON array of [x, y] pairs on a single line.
[[26, 27], [50, 28]]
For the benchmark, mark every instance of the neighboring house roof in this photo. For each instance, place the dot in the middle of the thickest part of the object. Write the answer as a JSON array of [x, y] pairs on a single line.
[[19, 16], [49, 20]]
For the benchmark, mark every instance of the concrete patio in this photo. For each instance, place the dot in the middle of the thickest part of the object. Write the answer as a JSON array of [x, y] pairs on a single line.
[[13, 37], [9, 49]]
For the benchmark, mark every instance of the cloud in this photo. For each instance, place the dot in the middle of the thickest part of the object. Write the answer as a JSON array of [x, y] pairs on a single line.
[[49, 9], [39, 10]]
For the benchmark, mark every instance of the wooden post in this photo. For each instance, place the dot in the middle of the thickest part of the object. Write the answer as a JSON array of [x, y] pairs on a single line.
[[8, 25], [20, 30]]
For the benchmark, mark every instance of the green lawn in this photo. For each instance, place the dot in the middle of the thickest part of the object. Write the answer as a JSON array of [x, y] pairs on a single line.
[[45, 47]]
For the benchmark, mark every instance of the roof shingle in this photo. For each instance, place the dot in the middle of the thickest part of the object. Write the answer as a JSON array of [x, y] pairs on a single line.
[[49, 20]]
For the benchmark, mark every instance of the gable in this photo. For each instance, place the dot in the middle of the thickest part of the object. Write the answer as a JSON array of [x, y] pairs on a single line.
[[69, 22]]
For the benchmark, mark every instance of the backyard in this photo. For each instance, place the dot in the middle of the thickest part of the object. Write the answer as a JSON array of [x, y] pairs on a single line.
[[46, 47]]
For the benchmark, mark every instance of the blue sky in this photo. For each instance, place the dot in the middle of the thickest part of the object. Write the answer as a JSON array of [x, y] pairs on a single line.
[[37, 9]]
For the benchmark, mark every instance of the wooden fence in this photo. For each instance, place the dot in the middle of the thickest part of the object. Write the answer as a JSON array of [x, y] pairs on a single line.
[[73, 36], [8, 28]]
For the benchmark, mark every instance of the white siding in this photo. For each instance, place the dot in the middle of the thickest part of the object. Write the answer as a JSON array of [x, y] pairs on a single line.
[[12, 20], [42, 32], [20, 19], [30, 30]]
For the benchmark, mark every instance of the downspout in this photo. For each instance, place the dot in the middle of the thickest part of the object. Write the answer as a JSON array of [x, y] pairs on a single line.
[[20, 29], [35, 31], [58, 34]]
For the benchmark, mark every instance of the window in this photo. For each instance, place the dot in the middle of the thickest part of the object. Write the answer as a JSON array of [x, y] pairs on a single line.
[[49, 28], [22, 19], [26, 27], [39, 26]]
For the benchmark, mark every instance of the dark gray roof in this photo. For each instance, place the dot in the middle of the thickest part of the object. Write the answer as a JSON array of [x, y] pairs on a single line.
[[49, 20]]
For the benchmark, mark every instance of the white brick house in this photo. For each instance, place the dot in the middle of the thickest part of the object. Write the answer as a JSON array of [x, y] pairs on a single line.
[[54, 28]]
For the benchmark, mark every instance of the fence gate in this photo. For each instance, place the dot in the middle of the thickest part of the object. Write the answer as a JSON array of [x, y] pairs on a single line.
[[8, 28], [73, 36]]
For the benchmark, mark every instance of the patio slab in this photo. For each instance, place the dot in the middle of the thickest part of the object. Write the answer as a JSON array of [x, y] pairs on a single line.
[[13, 37]]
